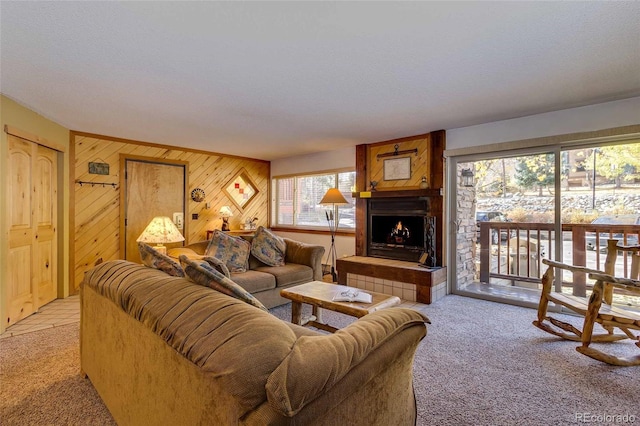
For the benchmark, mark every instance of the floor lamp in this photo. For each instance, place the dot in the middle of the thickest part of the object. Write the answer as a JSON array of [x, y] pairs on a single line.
[[334, 198]]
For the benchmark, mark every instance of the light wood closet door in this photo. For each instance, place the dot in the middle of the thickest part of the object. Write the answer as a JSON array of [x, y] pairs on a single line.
[[46, 219], [32, 217], [20, 289]]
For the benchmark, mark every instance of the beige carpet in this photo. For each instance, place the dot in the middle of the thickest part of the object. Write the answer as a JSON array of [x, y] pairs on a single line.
[[40, 381], [481, 363]]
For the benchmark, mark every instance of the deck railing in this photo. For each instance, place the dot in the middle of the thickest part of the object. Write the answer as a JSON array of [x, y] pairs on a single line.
[[517, 256]]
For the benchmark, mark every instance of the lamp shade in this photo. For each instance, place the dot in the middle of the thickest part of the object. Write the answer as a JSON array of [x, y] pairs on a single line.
[[333, 196], [225, 211], [161, 230]]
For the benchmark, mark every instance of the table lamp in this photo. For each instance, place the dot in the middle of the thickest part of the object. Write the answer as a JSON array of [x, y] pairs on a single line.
[[334, 198], [226, 213], [161, 230]]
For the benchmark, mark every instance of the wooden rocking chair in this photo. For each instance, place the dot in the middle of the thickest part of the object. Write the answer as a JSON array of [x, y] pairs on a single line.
[[592, 308]]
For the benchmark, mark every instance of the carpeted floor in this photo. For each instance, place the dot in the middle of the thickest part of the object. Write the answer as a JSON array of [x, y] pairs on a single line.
[[482, 363], [40, 381]]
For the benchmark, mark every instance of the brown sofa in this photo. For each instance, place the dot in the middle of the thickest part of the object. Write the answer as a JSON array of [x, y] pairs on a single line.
[[303, 263], [164, 350]]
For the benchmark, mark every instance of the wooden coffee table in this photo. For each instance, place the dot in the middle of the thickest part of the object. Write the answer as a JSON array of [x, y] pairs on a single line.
[[319, 295]]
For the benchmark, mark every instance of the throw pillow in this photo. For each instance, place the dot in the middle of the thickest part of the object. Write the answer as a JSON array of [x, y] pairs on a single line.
[[200, 272], [218, 265], [234, 252], [154, 259], [268, 248]]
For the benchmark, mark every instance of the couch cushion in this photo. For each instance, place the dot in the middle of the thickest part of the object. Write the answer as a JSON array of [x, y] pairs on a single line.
[[200, 272], [231, 250], [255, 263], [254, 281], [154, 259], [291, 273], [292, 385], [268, 248]]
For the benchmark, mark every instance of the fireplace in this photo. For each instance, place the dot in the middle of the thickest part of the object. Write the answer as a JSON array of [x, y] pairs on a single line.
[[399, 228], [394, 256]]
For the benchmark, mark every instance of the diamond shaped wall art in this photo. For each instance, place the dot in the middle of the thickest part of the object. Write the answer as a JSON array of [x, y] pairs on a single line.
[[241, 189]]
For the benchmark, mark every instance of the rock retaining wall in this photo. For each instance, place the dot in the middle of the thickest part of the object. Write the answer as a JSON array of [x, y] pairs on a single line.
[[605, 204]]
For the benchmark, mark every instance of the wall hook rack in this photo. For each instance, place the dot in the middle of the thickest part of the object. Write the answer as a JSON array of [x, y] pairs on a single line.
[[103, 184], [396, 152]]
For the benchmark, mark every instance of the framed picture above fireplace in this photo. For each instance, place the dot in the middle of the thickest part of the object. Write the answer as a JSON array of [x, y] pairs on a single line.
[[397, 168]]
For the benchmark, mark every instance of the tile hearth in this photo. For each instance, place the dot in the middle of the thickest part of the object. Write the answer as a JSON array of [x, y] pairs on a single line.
[[407, 280]]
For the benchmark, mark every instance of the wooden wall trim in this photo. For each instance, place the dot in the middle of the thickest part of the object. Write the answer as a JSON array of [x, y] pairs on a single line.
[[321, 172], [14, 131], [73, 289], [124, 157], [122, 207], [312, 231], [361, 205], [122, 193], [268, 200], [169, 147], [438, 142]]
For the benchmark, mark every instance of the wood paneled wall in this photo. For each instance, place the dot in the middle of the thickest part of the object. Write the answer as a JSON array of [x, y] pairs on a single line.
[[96, 209], [420, 162]]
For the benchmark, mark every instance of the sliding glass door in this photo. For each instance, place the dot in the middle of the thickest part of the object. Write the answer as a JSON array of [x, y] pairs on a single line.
[[524, 206], [506, 225]]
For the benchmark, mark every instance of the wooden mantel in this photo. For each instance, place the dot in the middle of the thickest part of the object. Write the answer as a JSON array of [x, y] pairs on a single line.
[[398, 194]]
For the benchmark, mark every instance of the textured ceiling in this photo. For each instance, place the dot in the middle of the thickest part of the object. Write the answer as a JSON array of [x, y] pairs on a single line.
[[271, 80]]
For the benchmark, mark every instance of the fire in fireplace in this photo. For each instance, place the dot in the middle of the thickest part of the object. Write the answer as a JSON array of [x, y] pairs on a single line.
[[398, 228], [403, 231]]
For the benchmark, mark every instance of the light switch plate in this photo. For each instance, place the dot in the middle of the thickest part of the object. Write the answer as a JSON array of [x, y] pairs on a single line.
[[178, 219]]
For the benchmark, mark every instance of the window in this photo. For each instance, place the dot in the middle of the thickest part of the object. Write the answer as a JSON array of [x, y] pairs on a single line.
[[298, 200]]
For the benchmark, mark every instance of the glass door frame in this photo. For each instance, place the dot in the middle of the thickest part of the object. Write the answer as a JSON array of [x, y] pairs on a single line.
[[451, 203]]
